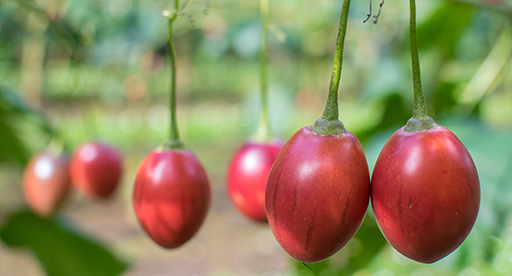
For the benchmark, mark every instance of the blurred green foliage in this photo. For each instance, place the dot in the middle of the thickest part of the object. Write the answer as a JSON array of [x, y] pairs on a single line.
[[96, 69], [11, 148], [60, 249]]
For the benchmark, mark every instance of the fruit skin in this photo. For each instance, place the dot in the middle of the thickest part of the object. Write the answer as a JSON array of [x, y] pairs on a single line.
[[96, 169], [425, 193], [317, 194], [247, 177], [46, 182], [171, 196]]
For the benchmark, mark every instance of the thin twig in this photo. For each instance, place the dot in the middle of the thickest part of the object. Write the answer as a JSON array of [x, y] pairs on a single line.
[[376, 17], [184, 5], [369, 13], [306, 266]]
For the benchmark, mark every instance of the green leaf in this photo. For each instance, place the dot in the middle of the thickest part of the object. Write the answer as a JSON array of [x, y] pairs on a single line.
[[61, 251], [11, 147]]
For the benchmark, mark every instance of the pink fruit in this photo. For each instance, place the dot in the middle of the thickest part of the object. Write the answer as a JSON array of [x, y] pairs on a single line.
[[171, 196], [425, 193], [46, 183], [247, 177], [317, 194], [96, 169]]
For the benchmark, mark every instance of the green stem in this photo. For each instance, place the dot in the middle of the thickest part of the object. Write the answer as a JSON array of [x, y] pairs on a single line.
[[331, 108], [420, 109], [420, 121], [263, 131], [174, 141], [57, 143], [329, 124]]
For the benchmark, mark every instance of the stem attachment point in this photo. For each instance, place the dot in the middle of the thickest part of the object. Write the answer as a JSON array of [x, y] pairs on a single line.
[[418, 125], [328, 127], [173, 145]]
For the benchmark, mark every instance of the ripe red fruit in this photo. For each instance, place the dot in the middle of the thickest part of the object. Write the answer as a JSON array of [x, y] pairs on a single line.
[[247, 177], [46, 183], [425, 193], [317, 194], [96, 169], [171, 196]]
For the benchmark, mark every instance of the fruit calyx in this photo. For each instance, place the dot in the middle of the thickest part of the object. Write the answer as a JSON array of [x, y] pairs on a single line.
[[419, 125], [173, 145], [333, 127]]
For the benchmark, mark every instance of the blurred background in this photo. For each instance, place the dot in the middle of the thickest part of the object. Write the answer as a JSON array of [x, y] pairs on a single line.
[[98, 70]]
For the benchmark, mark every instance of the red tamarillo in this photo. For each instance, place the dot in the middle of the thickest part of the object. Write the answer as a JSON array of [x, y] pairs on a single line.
[[425, 188], [46, 182], [96, 169], [171, 196], [318, 189], [247, 177], [172, 192], [249, 169], [317, 194]]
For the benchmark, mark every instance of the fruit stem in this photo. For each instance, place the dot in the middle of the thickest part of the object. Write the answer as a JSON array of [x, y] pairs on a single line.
[[420, 121], [56, 143], [329, 124], [57, 147], [420, 109], [174, 141], [263, 131]]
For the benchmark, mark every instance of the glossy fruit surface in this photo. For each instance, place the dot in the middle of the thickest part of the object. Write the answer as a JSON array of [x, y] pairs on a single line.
[[247, 177], [425, 193], [96, 169], [171, 196], [317, 194], [46, 183]]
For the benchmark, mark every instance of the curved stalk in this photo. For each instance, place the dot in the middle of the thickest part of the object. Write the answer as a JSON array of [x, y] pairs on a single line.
[[329, 124]]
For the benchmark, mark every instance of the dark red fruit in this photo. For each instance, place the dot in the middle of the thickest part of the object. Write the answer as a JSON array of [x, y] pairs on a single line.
[[171, 196], [425, 193], [46, 183], [317, 194], [96, 169], [247, 177]]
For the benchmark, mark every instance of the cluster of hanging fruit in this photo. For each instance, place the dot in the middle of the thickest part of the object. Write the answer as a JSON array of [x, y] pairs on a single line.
[[95, 169], [424, 189], [314, 190]]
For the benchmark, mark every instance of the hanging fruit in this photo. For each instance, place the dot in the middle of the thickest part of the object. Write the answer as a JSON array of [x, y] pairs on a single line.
[[425, 188], [46, 182], [247, 177], [96, 169], [172, 192], [249, 169], [318, 189]]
